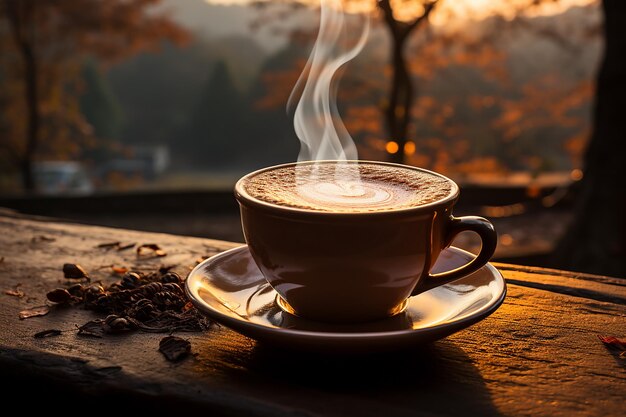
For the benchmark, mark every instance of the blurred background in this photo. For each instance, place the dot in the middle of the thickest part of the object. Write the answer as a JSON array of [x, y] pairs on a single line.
[[143, 113]]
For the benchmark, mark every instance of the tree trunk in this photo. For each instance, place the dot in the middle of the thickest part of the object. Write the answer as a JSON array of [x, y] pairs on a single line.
[[596, 240], [398, 112], [21, 18], [32, 97]]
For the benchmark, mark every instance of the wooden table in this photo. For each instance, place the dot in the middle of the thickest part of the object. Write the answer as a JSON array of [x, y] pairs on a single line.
[[538, 354]]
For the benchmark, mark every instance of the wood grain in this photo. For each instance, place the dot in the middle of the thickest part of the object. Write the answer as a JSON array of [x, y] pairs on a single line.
[[537, 355]]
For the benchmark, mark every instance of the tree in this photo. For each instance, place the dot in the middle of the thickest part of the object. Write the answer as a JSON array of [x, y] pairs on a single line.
[[596, 239], [46, 42], [402, 90], [98, 104], [216, 129]]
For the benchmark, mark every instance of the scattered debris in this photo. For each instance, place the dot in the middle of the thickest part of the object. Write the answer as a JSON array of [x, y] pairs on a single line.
[[15, 292], [1, 259], [115, 324], [614, 343], [119, 246], [60, 296], [112, 324], [109, 245], [119, 269], [174, 348], [47, 333], [34, 312], [74, 271], [150, 248], [93, 328], [42, 238], [122, 247], [150, 302]]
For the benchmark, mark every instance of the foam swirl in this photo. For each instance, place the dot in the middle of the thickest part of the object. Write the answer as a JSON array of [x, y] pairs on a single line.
[[341, 188]]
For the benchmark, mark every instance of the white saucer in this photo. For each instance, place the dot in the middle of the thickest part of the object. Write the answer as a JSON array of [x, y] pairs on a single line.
[[230, 289]]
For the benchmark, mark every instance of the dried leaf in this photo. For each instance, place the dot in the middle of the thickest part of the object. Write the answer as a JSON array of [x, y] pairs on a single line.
[[34, 312], [93, 328], [108, 245], [42, 238], [59, 296], [613, 342], [15, 293], [166, 268], [125, 246], [47, 333], [151, 248], [74, 271], [119, 269], [174, 348]]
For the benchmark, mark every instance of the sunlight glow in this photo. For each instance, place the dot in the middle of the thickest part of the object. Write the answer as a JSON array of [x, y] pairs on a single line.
[[451, 10]]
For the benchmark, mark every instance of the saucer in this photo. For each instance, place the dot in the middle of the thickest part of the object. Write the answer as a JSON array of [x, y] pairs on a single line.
[[230, 289]]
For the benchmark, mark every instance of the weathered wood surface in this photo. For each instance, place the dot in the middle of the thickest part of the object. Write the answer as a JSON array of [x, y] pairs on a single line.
[[537, 355]]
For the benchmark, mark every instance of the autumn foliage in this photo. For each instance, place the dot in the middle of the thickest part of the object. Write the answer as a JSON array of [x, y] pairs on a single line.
[[44, 46]]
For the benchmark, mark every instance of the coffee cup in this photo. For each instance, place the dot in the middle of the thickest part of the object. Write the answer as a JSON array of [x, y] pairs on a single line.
[[353, 250]]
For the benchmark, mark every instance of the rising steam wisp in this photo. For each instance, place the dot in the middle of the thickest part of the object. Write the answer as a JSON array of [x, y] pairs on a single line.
[[317, 122]]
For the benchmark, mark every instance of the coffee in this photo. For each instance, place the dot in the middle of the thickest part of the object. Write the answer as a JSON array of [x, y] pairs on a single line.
[[347, 187], [351, 253]]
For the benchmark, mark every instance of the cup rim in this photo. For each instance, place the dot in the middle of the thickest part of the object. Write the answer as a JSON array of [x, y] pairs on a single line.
[[246, 199]]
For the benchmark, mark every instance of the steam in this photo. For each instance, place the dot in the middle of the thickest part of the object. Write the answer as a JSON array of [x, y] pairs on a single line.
[[317, 123]]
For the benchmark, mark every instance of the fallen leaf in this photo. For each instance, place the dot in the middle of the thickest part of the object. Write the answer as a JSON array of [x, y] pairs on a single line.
[[126, 246], [174, 348], [34, 312], [153, 247], [42, 238], [59, 296], [74, 271], [47, 333], [15, 293], [613, 342], [93, 328], [119, 269], [108, 245]]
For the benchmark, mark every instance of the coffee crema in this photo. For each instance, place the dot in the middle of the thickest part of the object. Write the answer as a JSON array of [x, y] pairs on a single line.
[[347, 187]]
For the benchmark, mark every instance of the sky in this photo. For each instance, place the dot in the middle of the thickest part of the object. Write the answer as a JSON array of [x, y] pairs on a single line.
[[475, 9]]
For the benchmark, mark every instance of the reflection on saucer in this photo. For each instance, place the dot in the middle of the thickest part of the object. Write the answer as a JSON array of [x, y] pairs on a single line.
[[231, 290]]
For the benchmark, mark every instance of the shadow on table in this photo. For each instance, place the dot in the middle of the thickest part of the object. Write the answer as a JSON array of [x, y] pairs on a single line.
[[438, 378]]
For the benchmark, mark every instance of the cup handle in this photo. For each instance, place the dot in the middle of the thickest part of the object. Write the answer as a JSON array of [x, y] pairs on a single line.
[[488, 237]]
